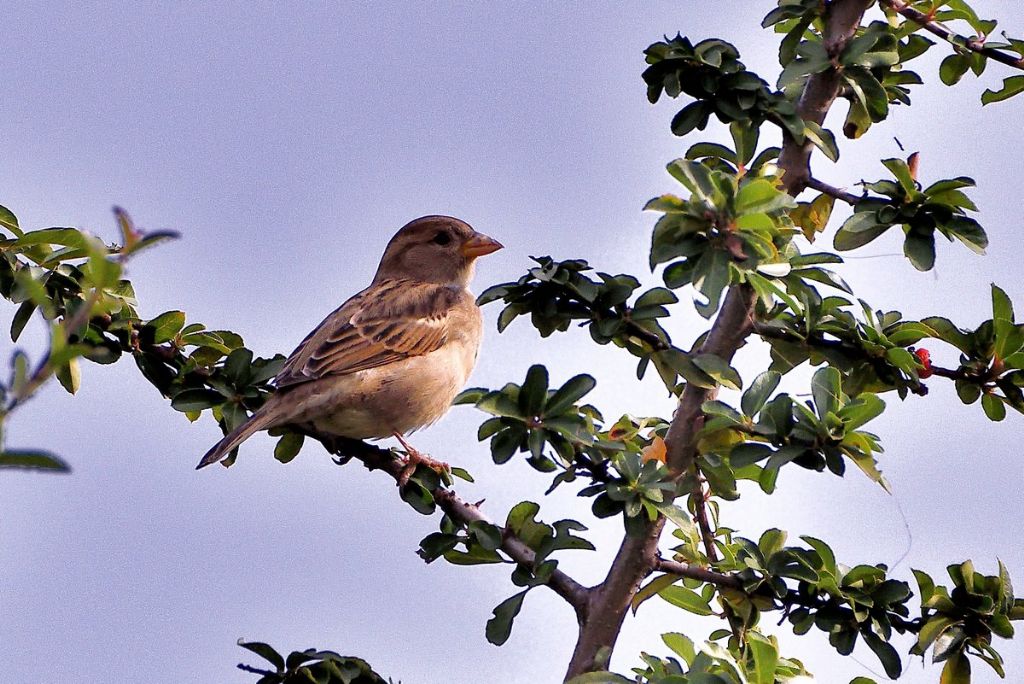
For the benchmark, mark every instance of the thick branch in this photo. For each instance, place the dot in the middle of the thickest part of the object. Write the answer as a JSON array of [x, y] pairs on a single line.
[[842, 17], [928, 24], [462, 512], [638, 556]]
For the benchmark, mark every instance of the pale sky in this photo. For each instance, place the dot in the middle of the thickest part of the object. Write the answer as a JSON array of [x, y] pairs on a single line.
[[287, 142]]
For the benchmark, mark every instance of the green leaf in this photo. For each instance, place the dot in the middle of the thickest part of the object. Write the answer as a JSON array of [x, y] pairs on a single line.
[[1011, 86], [864, 408], [166, 326], [993, 406], [826, 389], [957, 670], [600, 678], [505, 443], [693, 115], [718, 369], [858, 230], [21, 318], [759, 392], [568, 394], [677, 515], [651, 589], [697, 179], [681, 645], [66, 237], [499, 627], [534, 391], [828, 558], [69, 375], [766, 658], [1002, 322], [948, 332], [196, 399], [687, 599], [888, 655], [288, 446], [264, 651], [823, 139], [953, 69], [33, 459], [899, 168], [920, 249], [9, 221], [760, 196], [744, 137]]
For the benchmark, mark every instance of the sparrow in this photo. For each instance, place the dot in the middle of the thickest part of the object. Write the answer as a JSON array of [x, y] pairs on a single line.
[[391, 359]]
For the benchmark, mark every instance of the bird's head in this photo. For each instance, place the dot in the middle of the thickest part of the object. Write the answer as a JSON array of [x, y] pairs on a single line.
[[435, 249]]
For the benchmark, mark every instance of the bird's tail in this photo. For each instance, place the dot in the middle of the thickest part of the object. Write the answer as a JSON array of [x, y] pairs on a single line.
[[259, 421]]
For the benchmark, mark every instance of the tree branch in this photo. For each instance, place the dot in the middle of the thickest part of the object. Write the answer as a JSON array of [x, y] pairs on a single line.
[[928, 24], [842, 17], [698, 573], [833, 191], [459, 510], [638, 555]]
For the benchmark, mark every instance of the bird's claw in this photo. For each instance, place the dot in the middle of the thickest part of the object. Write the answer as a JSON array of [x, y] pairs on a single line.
[[415, 458]]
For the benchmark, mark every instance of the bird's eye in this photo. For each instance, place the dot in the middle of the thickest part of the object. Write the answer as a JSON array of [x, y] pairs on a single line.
[[442, 238]]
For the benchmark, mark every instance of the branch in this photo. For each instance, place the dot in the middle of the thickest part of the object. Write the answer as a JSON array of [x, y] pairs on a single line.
[[375, 458], [638, 555], [698, 573], [842, 17], [833, 191], [928, 24]]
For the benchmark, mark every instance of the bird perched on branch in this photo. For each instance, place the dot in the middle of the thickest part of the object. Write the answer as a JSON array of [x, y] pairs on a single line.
[[390, 359]]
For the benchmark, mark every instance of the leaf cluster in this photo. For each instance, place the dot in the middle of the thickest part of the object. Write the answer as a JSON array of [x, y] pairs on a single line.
[[961, 622], [940, 208], [310, 667]]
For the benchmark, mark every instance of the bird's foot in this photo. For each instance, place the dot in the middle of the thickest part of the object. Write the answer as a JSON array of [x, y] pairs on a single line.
[[414, 458]]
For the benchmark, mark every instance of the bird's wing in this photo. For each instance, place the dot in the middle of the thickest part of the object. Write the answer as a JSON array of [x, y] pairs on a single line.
[[389, 321]]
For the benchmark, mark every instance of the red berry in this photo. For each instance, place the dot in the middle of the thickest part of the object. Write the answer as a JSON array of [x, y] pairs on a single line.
[[925, 358]]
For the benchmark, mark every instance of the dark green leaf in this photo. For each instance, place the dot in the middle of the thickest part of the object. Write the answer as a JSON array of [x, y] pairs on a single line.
[[264, 651], [759, 392], [166, 326], [288, 446], [499, 627], [196, 399], [32, 459], [888, 655], [568, 394], [1011, 86], [534, 391]]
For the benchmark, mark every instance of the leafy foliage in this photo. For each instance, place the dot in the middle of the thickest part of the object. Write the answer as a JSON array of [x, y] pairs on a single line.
[[734, 232], [941, 207], [311, 665]]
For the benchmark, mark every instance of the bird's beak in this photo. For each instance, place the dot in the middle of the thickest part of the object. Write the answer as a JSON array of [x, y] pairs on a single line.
[[478, 245]]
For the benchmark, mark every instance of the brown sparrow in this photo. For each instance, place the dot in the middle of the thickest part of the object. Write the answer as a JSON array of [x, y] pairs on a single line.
[[390, 359]]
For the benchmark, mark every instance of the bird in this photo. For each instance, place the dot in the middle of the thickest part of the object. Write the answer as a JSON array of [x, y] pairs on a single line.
[[391, 359]]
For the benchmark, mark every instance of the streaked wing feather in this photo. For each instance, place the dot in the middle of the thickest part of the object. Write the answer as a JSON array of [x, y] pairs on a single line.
[[388, 322]]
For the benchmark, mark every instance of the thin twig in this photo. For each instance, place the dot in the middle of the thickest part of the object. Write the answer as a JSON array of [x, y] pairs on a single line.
[[255, 670], [46, 369], [707, 535], [833, 191], [928, 24]]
